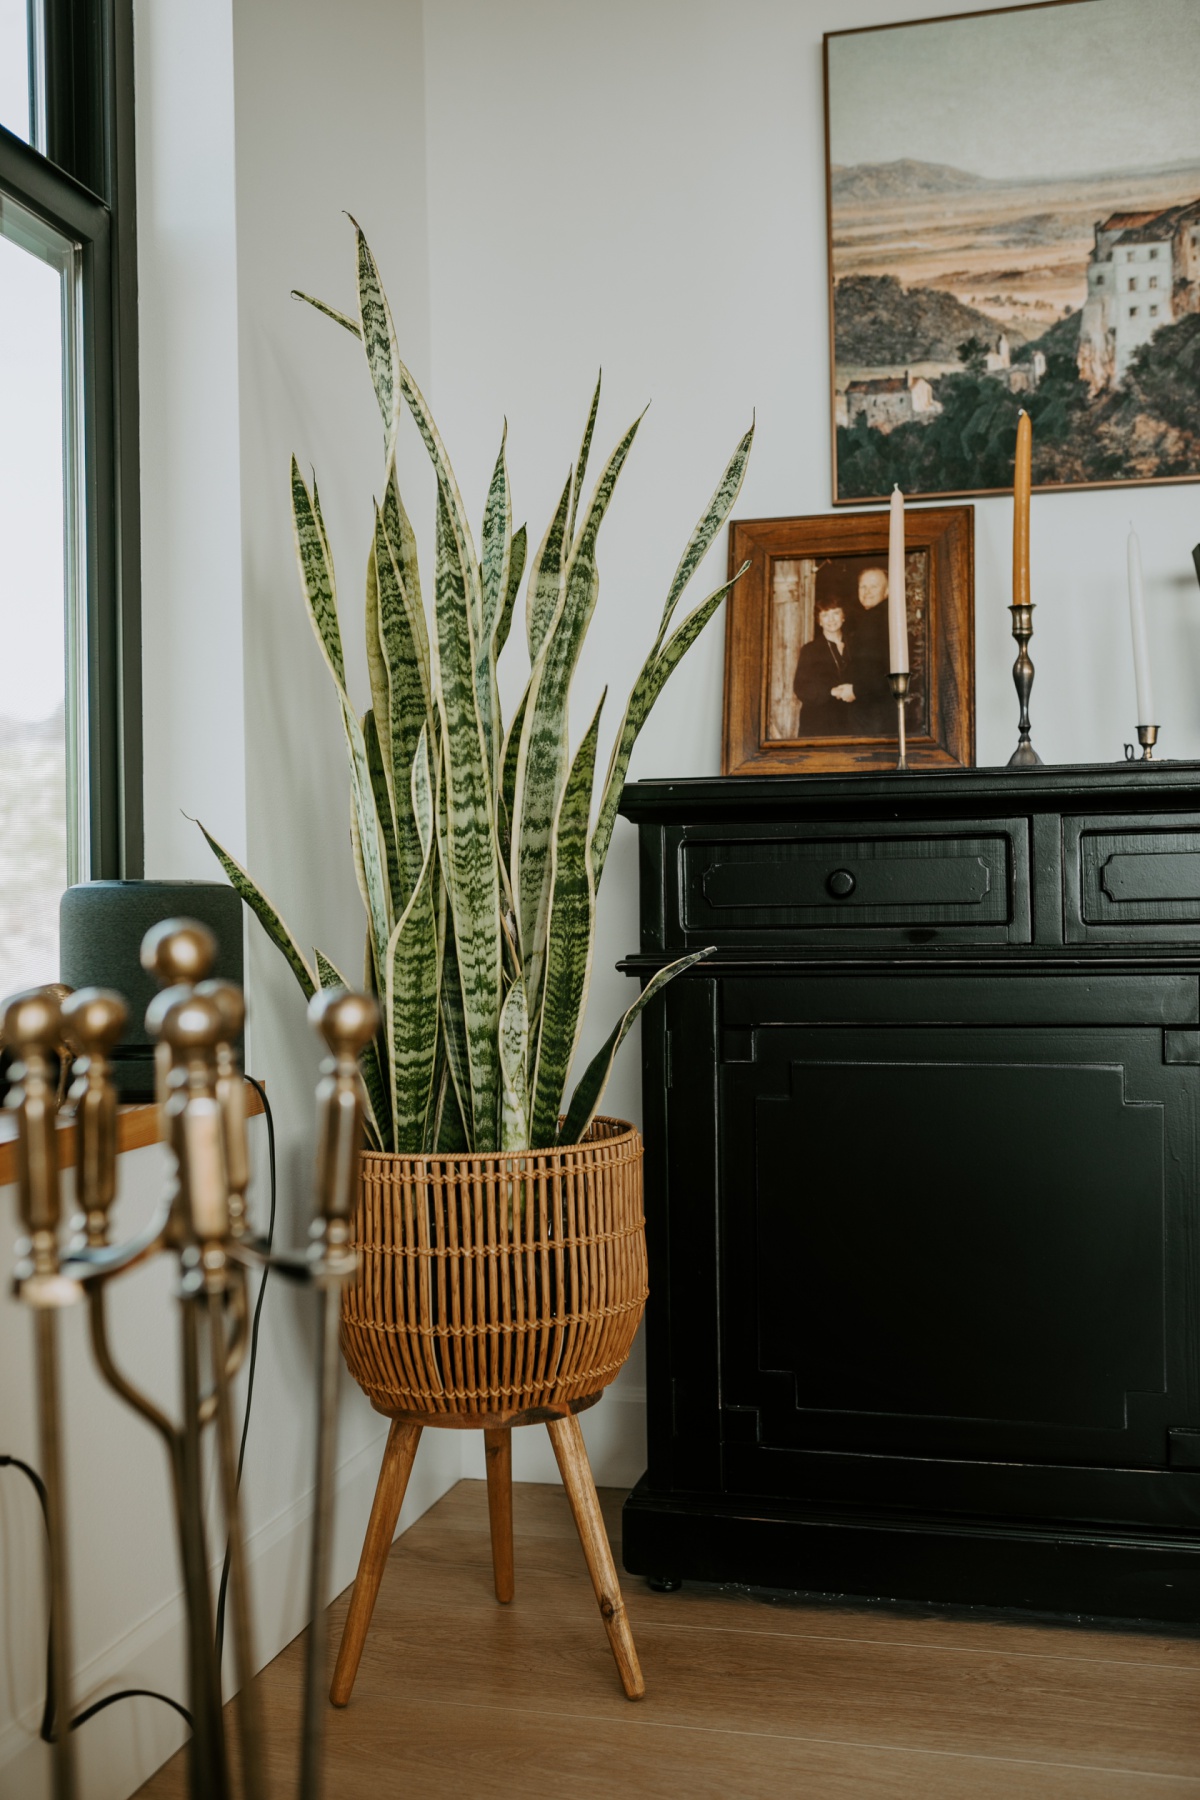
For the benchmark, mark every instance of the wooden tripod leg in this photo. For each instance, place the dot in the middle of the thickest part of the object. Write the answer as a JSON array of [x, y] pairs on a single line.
[[497, 1447], [571, 1455], [402, 1442]]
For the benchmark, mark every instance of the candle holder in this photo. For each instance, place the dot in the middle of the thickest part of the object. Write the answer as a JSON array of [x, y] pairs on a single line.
[[899, 682], [1024, 756], [202, 1230], [1147, 738]]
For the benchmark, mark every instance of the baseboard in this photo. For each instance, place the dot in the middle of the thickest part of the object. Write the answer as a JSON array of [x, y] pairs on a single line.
[[122, 1747]]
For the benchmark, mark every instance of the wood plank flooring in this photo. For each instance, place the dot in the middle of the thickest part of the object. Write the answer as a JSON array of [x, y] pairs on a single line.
[[459, 1698]]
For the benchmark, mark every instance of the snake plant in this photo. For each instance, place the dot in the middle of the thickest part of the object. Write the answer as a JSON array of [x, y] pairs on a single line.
[[477, 854]]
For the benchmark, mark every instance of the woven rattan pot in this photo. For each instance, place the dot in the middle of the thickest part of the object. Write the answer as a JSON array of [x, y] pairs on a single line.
[[493, 1285], [495, 1291]]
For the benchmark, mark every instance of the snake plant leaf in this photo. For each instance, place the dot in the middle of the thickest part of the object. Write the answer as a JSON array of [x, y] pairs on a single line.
[[543, 595], [707, 527], [655, 673], [594, 1080], [376, 894], [542, 764], [514, 1069], [378, 1119], [422, 795], [584, 452], [494, 566], [398, 888], [266, 915], [508, 782], [469, 859], [454, 1023], [449, 1132], [379, 341], [316, 574], [403, 543], [331, 312], [516, 569], [413, 981], [398, 379], [569, 941], [408, 699]]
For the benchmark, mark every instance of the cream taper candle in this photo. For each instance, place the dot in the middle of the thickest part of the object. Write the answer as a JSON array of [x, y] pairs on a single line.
[[1137, 621], [897, 614]]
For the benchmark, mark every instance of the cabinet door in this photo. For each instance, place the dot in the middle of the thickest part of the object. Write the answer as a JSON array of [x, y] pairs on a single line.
[[962, 1232]]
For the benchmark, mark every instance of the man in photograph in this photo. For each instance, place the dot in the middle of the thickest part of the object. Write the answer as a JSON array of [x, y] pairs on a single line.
[[869, 655]]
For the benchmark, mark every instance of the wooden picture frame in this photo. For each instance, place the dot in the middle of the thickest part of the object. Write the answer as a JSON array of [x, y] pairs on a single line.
[[801, 572]]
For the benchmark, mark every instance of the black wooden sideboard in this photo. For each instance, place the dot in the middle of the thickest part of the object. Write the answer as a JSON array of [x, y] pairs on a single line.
[[922, 1196]]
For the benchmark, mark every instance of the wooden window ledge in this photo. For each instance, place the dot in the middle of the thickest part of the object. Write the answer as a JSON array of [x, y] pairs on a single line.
[[137, 1126]]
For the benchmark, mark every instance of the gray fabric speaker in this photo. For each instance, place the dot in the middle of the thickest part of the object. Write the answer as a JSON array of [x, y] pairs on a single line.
[[101, 927]]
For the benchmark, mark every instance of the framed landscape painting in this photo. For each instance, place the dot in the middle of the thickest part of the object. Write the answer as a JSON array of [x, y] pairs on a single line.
[[1014, 221]]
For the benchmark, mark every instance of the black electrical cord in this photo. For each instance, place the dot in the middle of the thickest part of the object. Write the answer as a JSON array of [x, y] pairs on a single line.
[[46, 1731], [258, 1306]]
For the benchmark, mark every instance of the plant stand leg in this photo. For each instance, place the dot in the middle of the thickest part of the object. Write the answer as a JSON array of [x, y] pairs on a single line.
[[571, 1455], [497, 1446], [403, 1439]]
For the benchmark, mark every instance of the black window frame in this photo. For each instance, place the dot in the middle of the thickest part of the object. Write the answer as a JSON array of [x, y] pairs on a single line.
[[81, 182]]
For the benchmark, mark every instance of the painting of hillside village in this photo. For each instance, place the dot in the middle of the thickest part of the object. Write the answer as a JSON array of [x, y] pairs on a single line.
[[1014, 211]]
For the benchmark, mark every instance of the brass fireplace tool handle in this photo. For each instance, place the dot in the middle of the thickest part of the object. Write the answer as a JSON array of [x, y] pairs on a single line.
[[203, 1225]]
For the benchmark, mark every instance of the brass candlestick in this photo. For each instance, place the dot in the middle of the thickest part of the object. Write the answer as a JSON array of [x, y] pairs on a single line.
[[899, 682], [1024, 756], [1147, 738]]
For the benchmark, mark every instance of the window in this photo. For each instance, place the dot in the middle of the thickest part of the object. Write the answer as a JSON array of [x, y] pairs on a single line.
[[1154, 312], [70, 762], [1154, 253], [1133, 312], [1154, 281]]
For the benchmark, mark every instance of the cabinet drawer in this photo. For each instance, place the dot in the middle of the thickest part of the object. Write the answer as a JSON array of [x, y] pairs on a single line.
[[1134, 880], [888, 881]]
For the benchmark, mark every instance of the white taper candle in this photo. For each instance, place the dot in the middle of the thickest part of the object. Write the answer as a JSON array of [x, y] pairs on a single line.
[[897, 615], [1137, 621]]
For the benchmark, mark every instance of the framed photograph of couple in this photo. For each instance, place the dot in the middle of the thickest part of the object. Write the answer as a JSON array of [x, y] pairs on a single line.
[[806, 644]]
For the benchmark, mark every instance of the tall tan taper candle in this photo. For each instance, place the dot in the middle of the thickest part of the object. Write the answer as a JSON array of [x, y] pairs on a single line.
[[1021, 475]]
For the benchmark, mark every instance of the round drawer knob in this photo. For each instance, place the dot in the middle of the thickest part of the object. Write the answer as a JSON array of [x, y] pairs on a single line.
[[841, 884]]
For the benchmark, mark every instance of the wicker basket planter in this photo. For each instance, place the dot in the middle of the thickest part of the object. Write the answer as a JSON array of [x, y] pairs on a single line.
[[495, 1291]]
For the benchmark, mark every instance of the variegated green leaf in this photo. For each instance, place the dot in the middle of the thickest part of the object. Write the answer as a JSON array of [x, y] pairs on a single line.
[[584, 452], [656, 671], [408, 698], [449, 1133], [379, 341], [331, 312], [469, 860], [568, 941], [494, 567], [422, 796], [514, 1069], [453, 1018], [266, 915], [543, 596], [398, 887], [542, 763], [402, 540], [378, 1119], [516, 568], [707, 527], [508, 782], [370, 285], [373, 856], [413, 982], [316, 573], [590, 1090]]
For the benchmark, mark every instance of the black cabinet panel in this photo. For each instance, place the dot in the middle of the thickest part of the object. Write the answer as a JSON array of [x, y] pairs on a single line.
[[923, 1191]]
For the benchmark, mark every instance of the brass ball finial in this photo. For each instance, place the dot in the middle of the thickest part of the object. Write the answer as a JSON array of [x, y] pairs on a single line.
[[346, 1021], [93, 1020], [193, 1022], [178, 951], [33, 1022], [230, 1002]]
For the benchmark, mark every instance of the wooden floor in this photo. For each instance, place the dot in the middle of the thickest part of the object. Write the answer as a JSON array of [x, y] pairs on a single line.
[[747, 1699]]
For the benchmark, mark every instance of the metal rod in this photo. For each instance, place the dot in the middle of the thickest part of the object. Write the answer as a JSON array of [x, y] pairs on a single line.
[[249, 1723], [311, 1774], [50, 1430], [209, 1763]]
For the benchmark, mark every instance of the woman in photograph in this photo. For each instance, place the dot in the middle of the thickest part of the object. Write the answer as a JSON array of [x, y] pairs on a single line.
[[823, 685]]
